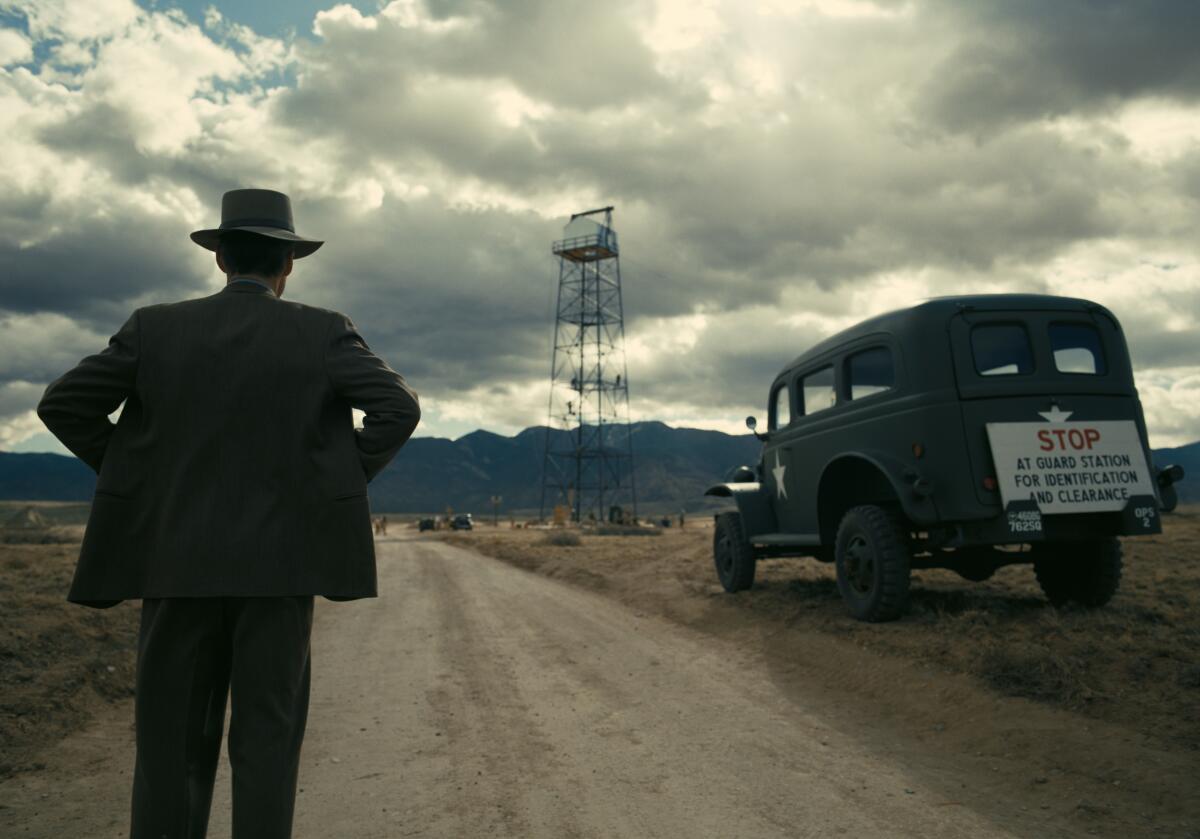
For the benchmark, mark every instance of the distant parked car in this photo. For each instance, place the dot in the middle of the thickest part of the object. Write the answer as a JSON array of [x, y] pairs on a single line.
[[462, 522], [966, 433], [426, 524]]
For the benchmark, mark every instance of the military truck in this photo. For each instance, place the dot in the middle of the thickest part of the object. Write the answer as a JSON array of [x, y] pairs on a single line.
[[967, 433]]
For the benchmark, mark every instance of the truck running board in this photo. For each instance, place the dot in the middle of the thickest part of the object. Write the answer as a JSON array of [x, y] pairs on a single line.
[[807, 540]]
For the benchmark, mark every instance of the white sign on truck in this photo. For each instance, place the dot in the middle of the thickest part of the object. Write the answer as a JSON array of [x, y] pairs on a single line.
[[1069, 467]]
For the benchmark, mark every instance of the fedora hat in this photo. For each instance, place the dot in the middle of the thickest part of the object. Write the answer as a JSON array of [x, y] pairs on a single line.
[[262, 211]]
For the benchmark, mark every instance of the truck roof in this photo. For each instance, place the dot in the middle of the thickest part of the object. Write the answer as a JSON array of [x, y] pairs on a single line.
[[936, 311]]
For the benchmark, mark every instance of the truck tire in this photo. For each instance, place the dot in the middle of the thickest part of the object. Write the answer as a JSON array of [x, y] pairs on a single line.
[[732, 553], [872, 557], [1087, 572]]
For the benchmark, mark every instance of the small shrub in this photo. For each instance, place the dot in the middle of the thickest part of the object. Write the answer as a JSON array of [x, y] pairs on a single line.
[[1035, 673], [563, 539]]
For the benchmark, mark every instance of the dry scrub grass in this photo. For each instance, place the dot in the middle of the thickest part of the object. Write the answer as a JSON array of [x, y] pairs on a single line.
[[56, 658], [625, 530], [41, 535]]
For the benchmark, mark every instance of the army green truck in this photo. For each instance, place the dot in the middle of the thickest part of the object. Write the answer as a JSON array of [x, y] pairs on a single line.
[[966, 433]]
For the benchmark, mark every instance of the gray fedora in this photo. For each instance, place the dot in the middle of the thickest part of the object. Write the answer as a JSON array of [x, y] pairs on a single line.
[[262, 211]]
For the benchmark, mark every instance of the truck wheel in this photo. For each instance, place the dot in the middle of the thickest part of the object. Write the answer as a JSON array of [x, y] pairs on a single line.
[[732, 553], [872, 557], [1087, 573]]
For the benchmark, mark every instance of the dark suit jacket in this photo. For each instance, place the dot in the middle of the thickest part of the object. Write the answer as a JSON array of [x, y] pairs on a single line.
[[235, 469]]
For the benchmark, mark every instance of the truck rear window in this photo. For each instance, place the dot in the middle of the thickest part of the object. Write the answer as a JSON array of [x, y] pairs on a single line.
[[1077, 349], [1001, 349], [870, 372]]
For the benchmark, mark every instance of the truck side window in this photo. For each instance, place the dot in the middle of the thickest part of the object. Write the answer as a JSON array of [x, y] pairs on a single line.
[[781, 411], [817, 391], [870, 372], [1077, 349], [1001, 349]]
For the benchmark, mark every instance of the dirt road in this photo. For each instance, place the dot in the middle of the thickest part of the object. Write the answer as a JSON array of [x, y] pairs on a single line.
[[475, 699]]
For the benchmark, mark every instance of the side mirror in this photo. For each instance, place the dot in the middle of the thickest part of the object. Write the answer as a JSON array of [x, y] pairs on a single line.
[[752, 424], [1168, 475], [1167, 478]]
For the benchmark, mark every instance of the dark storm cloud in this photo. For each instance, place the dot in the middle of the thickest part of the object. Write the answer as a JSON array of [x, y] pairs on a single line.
[[452, 296], [1161, 327], [730, 365], [1021, 60], [103, 135], [403, 95], [455, 297], [810, 200], [17, 398], [744, 373], [855, 162], [427, 97], [90, 265], [740, 215], [1156, 349], [1185, 172]]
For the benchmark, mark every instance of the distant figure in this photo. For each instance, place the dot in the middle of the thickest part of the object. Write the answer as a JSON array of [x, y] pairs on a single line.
[[231, 491], [383, 525], [682, 518]]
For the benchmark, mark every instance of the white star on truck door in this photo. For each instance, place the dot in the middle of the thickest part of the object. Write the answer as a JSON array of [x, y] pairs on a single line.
[[778, 471]]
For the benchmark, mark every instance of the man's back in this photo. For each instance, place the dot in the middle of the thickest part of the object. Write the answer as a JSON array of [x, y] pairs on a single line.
[[235, 469]]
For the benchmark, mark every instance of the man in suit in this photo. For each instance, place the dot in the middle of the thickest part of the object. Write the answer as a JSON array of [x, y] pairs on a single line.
[[232, 490]]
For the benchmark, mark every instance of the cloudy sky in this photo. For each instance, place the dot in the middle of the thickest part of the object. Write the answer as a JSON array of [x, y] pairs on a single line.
[[780, 170]]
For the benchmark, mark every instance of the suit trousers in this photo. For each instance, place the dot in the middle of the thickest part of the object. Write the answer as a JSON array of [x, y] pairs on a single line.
[[193, 653]]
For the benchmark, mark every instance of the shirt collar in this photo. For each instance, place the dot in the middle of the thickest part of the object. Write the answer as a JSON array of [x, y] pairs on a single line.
[[256, 282]]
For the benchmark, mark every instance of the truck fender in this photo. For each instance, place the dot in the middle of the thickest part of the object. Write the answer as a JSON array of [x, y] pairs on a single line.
[[758, 516], [912, 489]]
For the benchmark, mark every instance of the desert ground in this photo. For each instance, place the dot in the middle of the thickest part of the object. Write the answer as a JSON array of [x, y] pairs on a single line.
[[504, 685]]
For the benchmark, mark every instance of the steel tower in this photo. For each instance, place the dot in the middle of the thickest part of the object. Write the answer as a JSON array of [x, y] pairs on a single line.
[[588, 462]]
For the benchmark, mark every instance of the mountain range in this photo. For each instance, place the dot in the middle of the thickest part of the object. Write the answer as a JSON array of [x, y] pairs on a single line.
[[430, 474]]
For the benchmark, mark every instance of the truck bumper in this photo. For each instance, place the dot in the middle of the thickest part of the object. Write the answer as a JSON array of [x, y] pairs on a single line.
[[1023, 522]]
